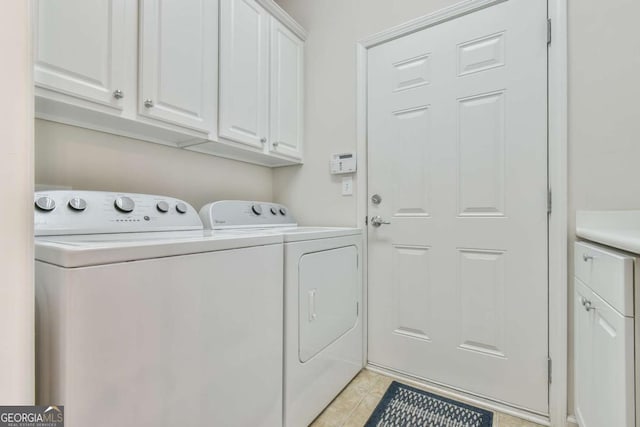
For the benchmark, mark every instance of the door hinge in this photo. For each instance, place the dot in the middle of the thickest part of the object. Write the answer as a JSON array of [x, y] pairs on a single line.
[[357, 309], [549, 368], [548, 31], [366, 220], [549, 201]]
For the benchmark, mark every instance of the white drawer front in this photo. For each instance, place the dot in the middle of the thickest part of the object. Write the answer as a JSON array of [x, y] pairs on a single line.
[[609, 273]]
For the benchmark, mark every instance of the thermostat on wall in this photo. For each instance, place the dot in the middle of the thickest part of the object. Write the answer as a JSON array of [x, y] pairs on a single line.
[[343, 163]]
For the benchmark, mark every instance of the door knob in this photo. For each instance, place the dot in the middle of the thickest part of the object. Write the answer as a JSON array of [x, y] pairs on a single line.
[[377, 221]]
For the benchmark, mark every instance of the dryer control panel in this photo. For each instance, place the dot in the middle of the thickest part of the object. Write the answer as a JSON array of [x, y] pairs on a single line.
[[245, 214], [96, 212]]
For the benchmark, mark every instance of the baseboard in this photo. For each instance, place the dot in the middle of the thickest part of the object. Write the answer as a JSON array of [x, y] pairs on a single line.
[[462, 396], [572, 422]]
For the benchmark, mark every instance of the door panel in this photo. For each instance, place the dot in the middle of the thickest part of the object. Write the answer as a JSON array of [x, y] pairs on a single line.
[[178, 62], [612, 335], [244, 72], [91, 66], [411, 298], [458, 153], [286, 91], [328, 298], [583, 356]]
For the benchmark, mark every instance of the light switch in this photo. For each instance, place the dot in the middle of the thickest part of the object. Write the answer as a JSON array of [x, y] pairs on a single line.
[[347, 186]]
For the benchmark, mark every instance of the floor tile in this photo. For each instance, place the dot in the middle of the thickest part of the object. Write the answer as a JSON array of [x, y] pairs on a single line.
[[505, 420], [362, 413], [355, 404]]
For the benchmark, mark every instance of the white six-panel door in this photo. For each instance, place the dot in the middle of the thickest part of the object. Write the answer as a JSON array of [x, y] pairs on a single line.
[[90, 67], [178, 62], [244, 72], [457, 140]]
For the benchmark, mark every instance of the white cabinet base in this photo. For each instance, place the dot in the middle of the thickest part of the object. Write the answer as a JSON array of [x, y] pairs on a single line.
[[52, 108]]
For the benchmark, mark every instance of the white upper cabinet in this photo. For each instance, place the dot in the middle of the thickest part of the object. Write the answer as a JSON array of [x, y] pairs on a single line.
[[178, 62], [222, 77], [244, 72], [287, 59], [80, 49], [261, 72]]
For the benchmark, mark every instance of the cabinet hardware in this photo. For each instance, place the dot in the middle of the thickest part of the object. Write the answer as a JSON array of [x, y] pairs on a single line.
[[377, 221], [148, 103], [118, 94]]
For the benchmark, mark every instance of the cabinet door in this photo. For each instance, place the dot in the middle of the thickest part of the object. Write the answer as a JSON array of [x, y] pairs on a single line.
[[178, 62], [613, 367], [286, 131], [244, 72], [583, 357], [79, 48], [604, 362]]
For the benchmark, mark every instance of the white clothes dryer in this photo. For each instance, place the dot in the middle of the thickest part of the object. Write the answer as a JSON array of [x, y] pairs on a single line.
[[145, 319], [323, 322]]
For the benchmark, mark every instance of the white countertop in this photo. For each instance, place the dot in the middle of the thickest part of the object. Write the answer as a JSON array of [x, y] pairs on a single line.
[[618, 229]]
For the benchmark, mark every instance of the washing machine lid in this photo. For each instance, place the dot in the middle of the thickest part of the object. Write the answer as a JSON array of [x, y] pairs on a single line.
[[297, 234], [97, 249]]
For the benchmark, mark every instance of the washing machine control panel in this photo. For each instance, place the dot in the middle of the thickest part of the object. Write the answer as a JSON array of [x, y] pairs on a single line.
[[249, 214], [92, 212]]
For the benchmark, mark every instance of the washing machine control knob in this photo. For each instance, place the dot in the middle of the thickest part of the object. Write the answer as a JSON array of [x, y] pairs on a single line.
[[78, 204], [124, 204], [162, 206], [256, 209], [45, 203], [274, 211], [181, 208], [283, 211]]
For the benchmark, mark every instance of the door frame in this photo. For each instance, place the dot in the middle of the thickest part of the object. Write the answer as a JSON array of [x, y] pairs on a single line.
[[557, 177]]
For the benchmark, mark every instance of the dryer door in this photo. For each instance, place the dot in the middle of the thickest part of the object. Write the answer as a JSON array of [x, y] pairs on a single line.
[[328, 294]]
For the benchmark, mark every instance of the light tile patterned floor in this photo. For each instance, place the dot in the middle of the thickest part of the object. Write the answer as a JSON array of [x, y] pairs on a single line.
[[354, 406]]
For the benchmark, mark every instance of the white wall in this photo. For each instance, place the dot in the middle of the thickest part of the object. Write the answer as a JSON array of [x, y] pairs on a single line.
[[604, 118], [86, 159], [16, 207], [334, 27]]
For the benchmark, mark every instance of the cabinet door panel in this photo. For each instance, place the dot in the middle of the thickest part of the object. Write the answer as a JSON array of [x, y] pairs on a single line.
[[79, 48], [178, 62], [244, 72], [583, 357], [604, 362], [286, 91], [613, 367]]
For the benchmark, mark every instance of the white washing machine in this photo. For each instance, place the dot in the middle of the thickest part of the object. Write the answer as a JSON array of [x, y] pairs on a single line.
[[145, 319], [323, 344]]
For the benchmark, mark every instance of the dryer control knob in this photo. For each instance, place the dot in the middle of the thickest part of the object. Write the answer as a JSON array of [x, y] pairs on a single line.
[[181, 208], [45, 203], [274, 211], [78, 204], [162, 206], [283, 211], [256, 209], [124, 204]]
